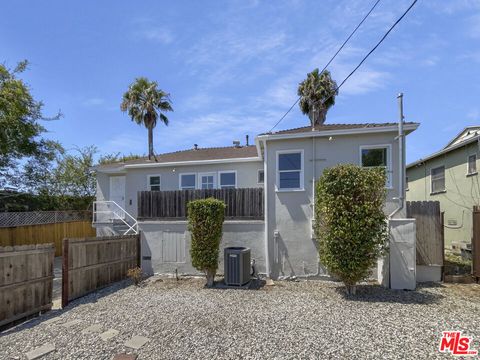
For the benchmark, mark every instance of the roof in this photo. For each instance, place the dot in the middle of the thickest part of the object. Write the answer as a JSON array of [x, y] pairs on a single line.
[[213, 153], [465, 134], [329, 127], [450, 147]]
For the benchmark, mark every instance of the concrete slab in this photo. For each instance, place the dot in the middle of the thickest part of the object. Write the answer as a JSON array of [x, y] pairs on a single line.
[[95, 328], [72, 323], [125, 357], [107, 335], [136, 342], [40, 351]]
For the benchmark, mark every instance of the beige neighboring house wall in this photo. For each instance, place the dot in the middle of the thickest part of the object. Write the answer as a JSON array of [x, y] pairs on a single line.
[[462, 190]]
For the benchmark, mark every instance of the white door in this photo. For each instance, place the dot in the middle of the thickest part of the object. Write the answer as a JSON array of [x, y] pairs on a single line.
[[207, 181], [117, 190], [402, 254]]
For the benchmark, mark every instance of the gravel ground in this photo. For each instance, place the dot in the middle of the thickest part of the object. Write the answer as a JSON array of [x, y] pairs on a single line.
[[291, 320]]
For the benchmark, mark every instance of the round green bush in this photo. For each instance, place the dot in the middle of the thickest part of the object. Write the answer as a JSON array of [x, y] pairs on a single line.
[[205, 222], [350, 225]]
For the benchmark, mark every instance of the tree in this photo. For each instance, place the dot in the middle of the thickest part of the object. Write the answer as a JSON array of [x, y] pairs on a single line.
[[205, 222], [350, 225], [20, 129], [146, 104], [317, 94]]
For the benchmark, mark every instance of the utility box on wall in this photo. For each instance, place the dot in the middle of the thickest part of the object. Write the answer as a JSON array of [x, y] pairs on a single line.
[[237, 265]]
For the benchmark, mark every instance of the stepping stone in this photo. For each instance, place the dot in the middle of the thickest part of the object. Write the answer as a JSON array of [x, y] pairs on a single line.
[[71, 323], [107, 335], [40, 351], [125, 357], [96, 328], [136, 342]]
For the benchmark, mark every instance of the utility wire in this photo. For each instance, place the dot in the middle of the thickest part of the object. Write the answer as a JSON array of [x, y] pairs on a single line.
[[331, 59], [359, 64]]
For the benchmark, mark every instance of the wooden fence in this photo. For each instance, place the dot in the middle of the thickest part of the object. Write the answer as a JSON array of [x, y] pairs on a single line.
[[476, 243], [45, 233], [244, 203], [430, 232], [93, 263], [26, 280]]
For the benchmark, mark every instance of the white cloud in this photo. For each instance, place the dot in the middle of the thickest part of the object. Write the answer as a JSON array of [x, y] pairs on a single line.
[[94, 101], [161, 35]]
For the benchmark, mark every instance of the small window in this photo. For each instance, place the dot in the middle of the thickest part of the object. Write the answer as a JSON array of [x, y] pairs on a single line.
[[260, 177], [228, 180], [377, 156], [406, 183], [472, 164], [438, 179], [154, 182], [187, 181], [207, 181], [290, 170]]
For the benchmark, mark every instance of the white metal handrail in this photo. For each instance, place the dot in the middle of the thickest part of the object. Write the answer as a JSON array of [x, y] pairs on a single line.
[[118, 213]]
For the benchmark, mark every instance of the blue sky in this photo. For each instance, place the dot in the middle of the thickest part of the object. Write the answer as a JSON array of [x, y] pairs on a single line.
[[232, 67]]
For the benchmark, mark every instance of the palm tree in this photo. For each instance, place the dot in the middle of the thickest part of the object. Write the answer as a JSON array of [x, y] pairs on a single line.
[[317, 94], [146, 104]]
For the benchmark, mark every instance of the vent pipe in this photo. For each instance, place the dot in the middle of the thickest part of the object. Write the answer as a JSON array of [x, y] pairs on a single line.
[[246, 138]]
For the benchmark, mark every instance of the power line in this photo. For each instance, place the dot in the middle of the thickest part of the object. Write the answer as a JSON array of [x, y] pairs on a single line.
[[361, 62], [332, 58]]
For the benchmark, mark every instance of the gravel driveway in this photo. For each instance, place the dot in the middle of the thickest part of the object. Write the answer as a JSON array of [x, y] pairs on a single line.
[[291, 320]]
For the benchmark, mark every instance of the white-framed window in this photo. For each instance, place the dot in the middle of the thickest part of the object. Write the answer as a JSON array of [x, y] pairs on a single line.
[[187, 181], [227, 179], [154, 182], [472, 164], [207, 180], [260, 176], [437, 176], [290, 170], [378, 156]]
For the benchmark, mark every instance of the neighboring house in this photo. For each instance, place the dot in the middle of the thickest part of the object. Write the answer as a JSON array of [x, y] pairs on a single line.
[[450, 176], [286, 163]]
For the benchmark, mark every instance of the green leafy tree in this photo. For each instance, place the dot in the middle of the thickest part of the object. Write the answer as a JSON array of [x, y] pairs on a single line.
[[317, 94], [205, 222], [146, 104], [350, 225], [20, 129]]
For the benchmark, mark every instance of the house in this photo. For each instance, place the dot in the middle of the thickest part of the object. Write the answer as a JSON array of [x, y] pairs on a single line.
[[450, 176], [285, 164]]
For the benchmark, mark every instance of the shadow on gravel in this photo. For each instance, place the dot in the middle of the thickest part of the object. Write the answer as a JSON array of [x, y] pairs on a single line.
[[51, 315], [254, 284], [377, 293]]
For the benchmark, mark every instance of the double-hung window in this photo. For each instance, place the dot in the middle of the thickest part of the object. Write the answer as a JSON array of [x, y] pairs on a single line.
[[188, 181], [378, 156], [290, 170], [227, 179], [438, 179], [154, 182], [472, 164]]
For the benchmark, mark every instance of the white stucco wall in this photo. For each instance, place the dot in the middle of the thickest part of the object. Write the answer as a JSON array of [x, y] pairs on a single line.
[[292, 251], [163, 241]]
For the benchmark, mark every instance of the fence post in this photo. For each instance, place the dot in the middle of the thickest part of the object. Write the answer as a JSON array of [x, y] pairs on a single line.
[[442, 224], [139, 249], [65, 273]]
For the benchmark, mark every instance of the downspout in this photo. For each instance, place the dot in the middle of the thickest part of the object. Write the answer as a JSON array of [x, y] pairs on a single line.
[[313, 186], [401, 160], [265, 194]]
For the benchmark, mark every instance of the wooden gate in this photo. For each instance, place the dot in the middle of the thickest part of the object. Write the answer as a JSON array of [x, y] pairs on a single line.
[[430, 232], [476, 243], [26, 280]]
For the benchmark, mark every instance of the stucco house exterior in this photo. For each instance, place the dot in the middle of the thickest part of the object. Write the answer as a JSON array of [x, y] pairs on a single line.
[[285, 163], [450, 176]]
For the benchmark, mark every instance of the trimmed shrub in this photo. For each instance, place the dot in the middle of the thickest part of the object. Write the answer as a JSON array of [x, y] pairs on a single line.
[[135, 274], [205, 222], [350, 225]]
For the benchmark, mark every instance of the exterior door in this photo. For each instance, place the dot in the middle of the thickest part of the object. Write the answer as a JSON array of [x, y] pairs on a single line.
[[207, 181], [117, 190]]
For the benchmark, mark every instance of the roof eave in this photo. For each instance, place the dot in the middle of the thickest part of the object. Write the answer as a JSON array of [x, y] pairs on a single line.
[[319, 133], [193, 162]]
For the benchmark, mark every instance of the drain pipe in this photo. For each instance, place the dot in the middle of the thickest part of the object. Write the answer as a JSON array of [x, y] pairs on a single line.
[[401, 160], [265, 208]]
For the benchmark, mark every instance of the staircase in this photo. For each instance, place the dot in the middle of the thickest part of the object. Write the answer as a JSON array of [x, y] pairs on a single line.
[[109, 214]]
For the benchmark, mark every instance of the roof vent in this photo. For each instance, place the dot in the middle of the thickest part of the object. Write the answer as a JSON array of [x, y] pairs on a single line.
[[236, 143], [195, 146]]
